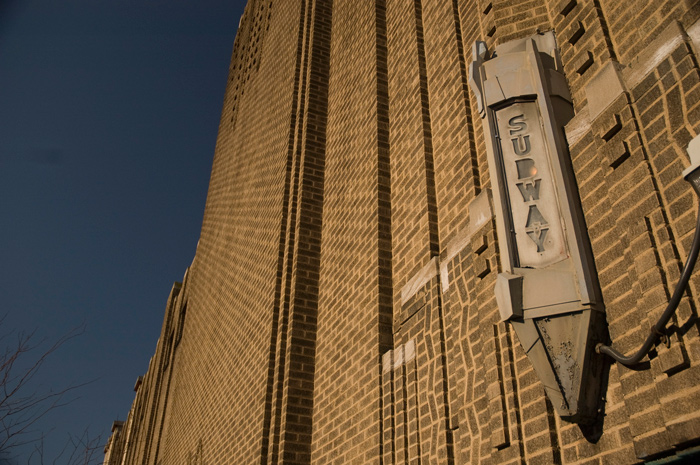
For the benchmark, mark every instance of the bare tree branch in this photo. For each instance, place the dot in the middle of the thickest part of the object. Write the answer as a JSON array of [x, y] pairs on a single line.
[[85, 449], [22, 405]]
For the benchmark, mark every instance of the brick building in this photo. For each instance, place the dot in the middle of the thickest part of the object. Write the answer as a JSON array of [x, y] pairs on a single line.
[[357, 293]]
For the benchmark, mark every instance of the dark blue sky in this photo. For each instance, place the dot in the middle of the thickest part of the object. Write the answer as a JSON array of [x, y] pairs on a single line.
[[109, 111]]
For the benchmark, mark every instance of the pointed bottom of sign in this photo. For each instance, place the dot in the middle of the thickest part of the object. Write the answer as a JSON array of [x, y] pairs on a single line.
[[561, 348]]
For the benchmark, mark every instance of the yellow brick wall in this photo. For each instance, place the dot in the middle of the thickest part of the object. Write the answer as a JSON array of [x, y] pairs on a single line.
[[340, 307]]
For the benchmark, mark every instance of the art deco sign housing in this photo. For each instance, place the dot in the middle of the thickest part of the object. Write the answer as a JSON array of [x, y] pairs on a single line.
[[548, 289]]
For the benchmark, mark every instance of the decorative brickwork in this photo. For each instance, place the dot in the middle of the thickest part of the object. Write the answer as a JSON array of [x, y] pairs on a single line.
[[340, 307]]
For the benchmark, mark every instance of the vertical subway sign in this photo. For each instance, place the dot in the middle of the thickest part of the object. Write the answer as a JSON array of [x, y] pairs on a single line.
[[547, 288], [539, 237]]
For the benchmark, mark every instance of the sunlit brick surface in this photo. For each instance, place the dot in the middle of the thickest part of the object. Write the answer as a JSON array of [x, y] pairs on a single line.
[[340, 307]]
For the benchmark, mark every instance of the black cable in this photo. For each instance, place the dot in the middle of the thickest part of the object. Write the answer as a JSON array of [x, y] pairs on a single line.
[[658, 328]]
